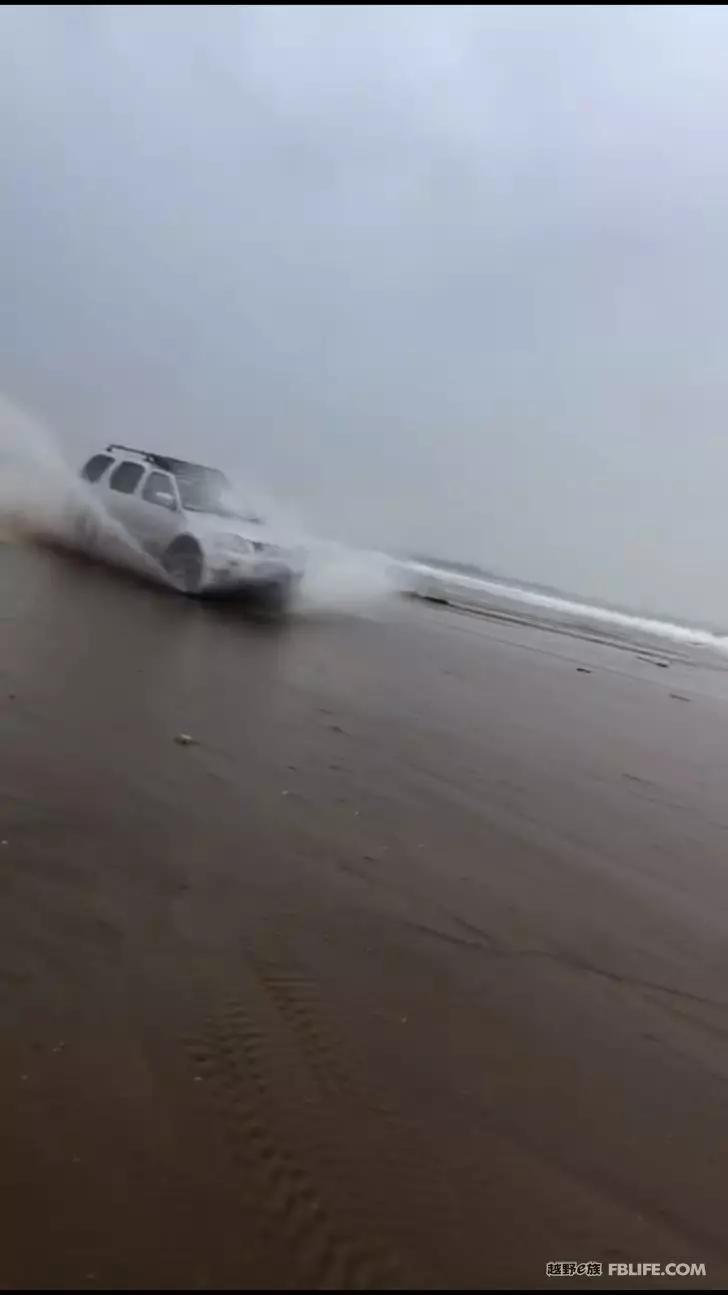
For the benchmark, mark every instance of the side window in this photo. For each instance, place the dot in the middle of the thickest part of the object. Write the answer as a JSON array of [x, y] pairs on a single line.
[[158, 489], [96, 467], [126, 477]]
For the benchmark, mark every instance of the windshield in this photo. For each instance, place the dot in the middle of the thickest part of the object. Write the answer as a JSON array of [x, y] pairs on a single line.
[[207, 490]]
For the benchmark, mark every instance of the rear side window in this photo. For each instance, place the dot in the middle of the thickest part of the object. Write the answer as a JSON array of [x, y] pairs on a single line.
[[96, 467], [126, 477]]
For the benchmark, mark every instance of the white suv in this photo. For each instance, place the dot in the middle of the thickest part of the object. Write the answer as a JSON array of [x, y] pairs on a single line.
[[184, 516]]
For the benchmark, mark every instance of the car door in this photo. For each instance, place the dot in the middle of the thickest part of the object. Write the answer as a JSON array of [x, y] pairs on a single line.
[[121, 497], [159, 511]]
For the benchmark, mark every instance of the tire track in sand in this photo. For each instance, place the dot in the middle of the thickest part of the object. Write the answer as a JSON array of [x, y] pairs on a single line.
[[239, 1055], [358, 1134]]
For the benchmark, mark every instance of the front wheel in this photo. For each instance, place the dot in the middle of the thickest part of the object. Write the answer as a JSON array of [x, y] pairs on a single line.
[[183, 564]]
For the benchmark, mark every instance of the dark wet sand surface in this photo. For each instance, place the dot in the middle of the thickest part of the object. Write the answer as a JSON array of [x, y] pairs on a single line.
[[413, 970]]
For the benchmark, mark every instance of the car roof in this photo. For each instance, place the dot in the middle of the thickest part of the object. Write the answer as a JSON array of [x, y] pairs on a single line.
[[178, 467]]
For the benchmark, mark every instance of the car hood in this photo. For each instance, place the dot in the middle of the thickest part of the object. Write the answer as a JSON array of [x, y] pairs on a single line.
[[208, 525]]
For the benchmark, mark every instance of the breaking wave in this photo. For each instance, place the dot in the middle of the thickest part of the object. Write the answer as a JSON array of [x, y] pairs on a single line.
[[476, 592]]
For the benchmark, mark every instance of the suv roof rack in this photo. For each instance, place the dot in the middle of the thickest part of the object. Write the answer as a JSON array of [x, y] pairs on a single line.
[[159, 460], [176, 467]]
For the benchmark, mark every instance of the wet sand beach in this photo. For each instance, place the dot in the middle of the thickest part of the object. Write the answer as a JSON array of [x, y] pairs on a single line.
[[409, 969]]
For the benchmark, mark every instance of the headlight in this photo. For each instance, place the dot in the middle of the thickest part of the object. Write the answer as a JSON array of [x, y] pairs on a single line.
[[232, 543]]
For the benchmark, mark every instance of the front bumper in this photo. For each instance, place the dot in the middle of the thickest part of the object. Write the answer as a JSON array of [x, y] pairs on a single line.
[[229, 571]]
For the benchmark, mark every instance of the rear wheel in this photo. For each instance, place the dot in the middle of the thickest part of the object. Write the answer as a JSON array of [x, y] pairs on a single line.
[[183, 564]]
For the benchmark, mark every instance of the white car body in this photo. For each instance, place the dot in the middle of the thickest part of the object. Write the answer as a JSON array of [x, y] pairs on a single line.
[[183, 516]]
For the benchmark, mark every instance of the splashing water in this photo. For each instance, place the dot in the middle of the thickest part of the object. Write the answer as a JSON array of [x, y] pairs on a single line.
[[342, 579], [42, 500], [35, 486]]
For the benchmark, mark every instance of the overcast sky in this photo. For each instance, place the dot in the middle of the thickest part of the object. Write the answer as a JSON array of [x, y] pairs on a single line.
[[453, 279]]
